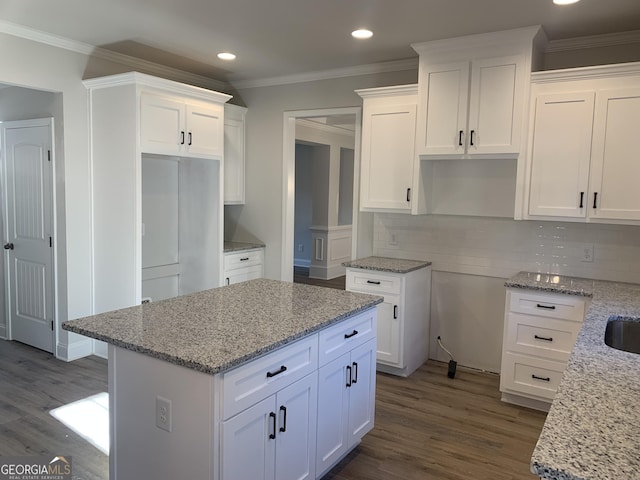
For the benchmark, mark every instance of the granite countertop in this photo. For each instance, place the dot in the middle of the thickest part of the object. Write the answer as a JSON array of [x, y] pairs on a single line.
[[239, 246], [593, 427], [215, 330], [384, 264]]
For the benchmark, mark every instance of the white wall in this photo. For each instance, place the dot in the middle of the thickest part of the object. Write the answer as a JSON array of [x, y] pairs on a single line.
[[472, 256]]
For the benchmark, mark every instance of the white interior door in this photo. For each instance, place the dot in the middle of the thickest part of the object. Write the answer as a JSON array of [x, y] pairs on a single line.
[[27, 166]]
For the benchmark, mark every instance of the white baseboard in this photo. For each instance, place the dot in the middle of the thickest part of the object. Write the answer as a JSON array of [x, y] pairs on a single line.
[[326, 273], [301, 262], [100, 349], [74, 351]]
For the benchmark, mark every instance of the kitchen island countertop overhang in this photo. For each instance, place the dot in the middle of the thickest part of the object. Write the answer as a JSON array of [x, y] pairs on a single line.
[[215, 330]]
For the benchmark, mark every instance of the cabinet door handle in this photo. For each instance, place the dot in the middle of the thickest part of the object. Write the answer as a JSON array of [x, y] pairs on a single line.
[[595, 199], [244, 259], [544, 379], [228, 281], [349, 372], [283, 409], [581, 199], [395, 312], [408, 194], [355, 372], [546, 339], [282, 369], [352, 334], [181, 138], [272, 416], [373, 282], [460, 137], [547, 307], [471, 137], [189, 139]]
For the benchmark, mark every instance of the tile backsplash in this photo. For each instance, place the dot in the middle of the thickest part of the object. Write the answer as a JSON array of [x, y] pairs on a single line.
[[497, 247]]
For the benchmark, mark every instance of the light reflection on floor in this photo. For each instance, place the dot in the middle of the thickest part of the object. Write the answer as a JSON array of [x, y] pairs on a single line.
[[89, 418]]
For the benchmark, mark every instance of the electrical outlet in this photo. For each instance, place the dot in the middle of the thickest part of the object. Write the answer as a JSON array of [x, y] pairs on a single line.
[[587, 253], [300, 247], [163, 413]]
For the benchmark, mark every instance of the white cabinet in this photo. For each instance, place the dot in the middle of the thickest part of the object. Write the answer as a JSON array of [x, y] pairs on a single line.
[[388, 152], [170, 125], [403, 317], [157, 207], [243, 265], [471, 107], [539, 333], [346, 401], [234, 154], [581, 155]]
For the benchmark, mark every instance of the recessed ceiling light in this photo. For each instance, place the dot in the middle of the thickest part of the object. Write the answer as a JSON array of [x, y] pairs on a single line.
[[565, 2], [362, 33], [226, 56]]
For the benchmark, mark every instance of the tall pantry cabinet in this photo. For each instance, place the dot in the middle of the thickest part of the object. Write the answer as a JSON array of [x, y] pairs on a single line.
[[157, 188]]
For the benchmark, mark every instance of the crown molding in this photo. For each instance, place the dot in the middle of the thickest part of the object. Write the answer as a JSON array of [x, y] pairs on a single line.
[[586, 73], [411, 89], [593, 41], [369, 69], [90, 50]]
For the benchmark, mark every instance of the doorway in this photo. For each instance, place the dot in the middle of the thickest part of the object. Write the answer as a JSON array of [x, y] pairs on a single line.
[[27, 172], [360, 234]]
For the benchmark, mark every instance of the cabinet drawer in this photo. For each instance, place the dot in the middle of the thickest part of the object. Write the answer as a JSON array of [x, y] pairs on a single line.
[[369, 282], [245, 258], [549, 338], [530, 376], [253, 381], [568, 307], [343, 337]]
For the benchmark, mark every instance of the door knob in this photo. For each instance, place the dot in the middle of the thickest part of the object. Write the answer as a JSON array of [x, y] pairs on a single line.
[[8, 246]]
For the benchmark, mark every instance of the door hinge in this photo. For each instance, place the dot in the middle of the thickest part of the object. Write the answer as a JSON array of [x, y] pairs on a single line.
[[49, 155], [50, 242], [51, 325]]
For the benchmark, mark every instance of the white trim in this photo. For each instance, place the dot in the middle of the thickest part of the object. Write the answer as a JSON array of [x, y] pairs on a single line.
[[327, 272], [100, 348], [369, 69], [302, 262], [289, 175], [323, 127], [593, 41], [74, 351], [411, 89], [333, 228], [584, 73], [104, 54]]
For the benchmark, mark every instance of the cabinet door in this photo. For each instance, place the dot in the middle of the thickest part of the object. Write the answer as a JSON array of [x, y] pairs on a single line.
[[161, 124], [496, 106], [444, 93], [333, 412], [243, 275], [296, 435], [615, 168], [388, 145], [233, 161], [389, 323], [560, 154], [205, 129], [249, 443], [362, 391]]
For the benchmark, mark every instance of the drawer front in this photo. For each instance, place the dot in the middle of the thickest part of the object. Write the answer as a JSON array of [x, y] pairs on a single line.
[[249, 383], [543, 337], [346, 335], [567, 307], [245, 258], [369, 282], [530, 376], [242, 274]]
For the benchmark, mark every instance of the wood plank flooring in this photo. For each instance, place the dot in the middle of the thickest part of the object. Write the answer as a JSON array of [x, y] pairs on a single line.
[[301, 275], [427, 426]]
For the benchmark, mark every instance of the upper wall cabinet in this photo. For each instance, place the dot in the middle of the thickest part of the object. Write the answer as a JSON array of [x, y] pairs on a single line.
[[234, 157], [174, 126], [582, 159], [388, 148], [472, 94]]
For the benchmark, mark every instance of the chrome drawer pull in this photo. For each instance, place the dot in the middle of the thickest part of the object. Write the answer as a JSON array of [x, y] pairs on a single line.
[[544, 379], [546, 339]]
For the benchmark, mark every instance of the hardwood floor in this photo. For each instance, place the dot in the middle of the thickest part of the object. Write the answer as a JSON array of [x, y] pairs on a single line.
[[427, 426], [301, 275]]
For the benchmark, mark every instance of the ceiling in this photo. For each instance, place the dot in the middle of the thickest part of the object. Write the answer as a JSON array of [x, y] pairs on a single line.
[[274, 38]]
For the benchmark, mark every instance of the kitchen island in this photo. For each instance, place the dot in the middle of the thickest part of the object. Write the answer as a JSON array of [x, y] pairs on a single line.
[[263, 379], [593, 427]]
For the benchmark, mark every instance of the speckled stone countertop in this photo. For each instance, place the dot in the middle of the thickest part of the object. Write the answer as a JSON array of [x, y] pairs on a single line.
[[549, 282], [592, 430], [218, 329], [384, 264], [239, 246]]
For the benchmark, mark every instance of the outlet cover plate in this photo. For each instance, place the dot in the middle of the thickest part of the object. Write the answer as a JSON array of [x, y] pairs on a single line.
[[163, 413]]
